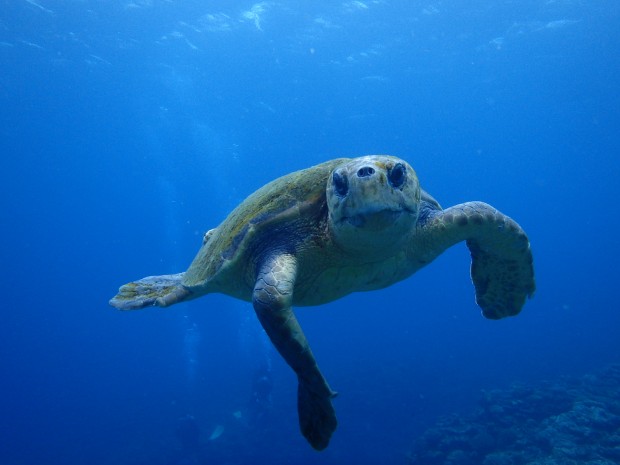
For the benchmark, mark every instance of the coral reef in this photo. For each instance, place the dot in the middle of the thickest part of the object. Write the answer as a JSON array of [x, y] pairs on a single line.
[[569, 422]]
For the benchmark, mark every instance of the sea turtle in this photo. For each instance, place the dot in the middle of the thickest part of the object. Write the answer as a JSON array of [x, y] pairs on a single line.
[[343, 226]]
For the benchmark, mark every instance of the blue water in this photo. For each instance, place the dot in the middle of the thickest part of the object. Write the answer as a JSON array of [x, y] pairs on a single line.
[[129, 128]]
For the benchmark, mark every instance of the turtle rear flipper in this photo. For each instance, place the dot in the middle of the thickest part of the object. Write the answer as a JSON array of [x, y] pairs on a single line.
[[160, 291]]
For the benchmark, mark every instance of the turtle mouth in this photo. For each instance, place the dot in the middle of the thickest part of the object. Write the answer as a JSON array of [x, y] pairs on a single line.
[[375, 220]]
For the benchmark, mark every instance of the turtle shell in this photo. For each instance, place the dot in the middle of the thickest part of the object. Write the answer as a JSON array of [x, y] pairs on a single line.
[[283, 201]]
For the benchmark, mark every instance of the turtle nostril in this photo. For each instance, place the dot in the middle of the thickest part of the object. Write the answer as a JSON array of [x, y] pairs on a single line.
[[365, 172]]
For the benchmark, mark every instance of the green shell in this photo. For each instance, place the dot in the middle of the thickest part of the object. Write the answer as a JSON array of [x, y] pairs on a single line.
[[279, 201]]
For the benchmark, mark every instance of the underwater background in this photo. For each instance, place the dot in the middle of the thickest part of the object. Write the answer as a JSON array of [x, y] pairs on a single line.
[[129, 128]]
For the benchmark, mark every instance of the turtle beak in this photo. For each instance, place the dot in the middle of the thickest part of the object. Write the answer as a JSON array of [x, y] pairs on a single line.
[[374, 221]]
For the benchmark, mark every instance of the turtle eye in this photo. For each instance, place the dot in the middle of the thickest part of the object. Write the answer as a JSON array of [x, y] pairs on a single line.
[[397, 175], [341, 184]]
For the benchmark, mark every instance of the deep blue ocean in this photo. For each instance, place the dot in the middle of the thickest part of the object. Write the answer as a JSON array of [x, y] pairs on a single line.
[[130, 127]]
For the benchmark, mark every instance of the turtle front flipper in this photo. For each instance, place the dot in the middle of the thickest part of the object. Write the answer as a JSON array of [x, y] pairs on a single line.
[[502, 265], [272, 299], [161, 291]]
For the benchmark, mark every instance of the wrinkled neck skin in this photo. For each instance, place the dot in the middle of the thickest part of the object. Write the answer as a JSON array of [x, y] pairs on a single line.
[[370, 245]]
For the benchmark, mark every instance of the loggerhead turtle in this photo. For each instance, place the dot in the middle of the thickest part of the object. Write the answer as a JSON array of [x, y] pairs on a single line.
[[343, 226]]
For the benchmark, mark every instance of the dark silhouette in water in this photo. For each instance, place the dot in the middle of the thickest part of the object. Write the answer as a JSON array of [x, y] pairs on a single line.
[[188, 434]]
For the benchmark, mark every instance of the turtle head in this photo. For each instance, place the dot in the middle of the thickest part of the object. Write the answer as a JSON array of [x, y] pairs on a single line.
[[373, 203]]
